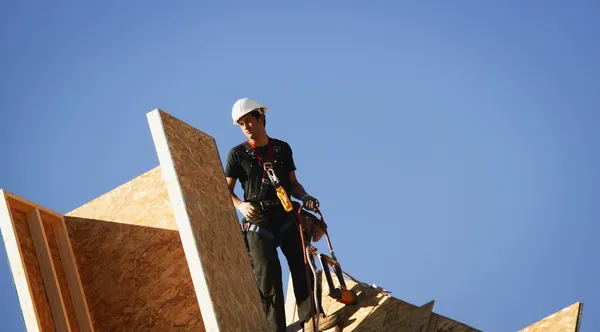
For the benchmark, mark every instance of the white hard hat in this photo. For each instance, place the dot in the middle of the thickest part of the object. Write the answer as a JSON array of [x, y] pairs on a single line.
[[244, 106]]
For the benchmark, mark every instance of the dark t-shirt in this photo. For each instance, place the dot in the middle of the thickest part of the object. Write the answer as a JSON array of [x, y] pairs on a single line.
[[242, 164]]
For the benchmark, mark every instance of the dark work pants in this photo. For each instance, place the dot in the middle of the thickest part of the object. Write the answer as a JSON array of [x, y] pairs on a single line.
[[267, 269]]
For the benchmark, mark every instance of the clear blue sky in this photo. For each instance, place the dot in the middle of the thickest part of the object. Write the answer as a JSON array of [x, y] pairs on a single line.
[[454, 145]]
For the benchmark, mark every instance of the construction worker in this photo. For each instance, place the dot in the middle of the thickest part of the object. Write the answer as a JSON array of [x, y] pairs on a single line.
[[266, 224]]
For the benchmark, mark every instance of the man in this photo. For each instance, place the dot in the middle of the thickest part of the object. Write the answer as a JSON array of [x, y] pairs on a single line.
[[266, 223]]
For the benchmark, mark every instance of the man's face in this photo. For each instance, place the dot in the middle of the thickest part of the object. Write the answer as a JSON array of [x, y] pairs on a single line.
[[251, 126]]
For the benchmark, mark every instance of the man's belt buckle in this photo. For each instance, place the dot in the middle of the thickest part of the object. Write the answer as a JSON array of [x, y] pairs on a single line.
[[266, 205], [267, 165], [263, 206]]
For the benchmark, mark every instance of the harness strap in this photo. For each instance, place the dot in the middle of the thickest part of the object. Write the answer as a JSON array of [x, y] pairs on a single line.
[[271, 155], [264, 232]]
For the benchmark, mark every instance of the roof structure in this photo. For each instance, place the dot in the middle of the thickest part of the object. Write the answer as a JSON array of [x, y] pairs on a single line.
[[565, 320], [164, 252], [376, 310]]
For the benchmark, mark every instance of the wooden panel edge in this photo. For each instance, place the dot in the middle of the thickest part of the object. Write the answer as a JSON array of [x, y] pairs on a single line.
[[183, 221], [67, 255], [290, 303], [47, 267], [18, 269], [26, 205], [579, 316]]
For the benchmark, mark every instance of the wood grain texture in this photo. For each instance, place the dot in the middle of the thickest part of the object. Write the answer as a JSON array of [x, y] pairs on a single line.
[[439, 323], [48, 271], [71, 272], [18, 265], [209, 228], [416, 320], [143, 201], [33, 271], [131, 261], [43, 269], [379, 311], [565, 320], [50, 223]]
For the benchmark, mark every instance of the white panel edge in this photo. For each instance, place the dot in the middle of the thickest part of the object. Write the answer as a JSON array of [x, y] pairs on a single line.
[[182, 219]]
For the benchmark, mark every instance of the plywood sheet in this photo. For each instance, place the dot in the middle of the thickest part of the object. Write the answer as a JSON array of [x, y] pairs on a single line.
[[143, 201], [50, 224], [565, 320], [439, 323], [379, 311], [25, 267], [416, 321], [131, 261], [210, 232]]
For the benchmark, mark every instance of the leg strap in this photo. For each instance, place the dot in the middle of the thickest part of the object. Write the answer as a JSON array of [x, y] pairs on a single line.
[[264, 232]]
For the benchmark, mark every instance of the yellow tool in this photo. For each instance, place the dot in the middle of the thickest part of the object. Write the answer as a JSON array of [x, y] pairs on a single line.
[[281, 193]]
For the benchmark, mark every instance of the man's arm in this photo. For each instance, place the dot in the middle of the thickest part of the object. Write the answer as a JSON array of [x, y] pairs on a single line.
[[248, 210], [300, 193], [232, 171], [298, 190], [231, 184]]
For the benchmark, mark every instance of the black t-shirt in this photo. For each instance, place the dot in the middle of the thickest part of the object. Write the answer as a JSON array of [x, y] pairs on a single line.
[[242, 164]]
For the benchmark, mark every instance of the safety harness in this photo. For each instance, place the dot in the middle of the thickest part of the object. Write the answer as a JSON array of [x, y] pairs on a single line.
[[268, 179]]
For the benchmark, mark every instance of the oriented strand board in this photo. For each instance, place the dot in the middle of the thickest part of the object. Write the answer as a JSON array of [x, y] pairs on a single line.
[[25, 268], [416, 321], [378, 311], [43, 267], [132, 264], [210, 232], [439, 323], [565, 320], [49, 223]]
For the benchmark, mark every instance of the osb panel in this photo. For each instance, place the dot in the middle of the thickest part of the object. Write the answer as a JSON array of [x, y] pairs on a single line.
[[372, 313], [565, 320], [32, 267], [209, 227], [378, 311], [60, 272], [439, 323], [416, 321], [143, 201], [131, 261]]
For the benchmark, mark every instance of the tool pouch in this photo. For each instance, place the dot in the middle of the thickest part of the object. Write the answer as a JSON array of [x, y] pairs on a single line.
[[314, 227]]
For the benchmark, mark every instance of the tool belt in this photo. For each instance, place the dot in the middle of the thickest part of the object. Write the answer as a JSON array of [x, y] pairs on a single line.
[[268, 205]]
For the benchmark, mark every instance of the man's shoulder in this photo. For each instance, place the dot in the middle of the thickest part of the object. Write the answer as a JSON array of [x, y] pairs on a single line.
[[237, 152], [280, 142], [241, 147]]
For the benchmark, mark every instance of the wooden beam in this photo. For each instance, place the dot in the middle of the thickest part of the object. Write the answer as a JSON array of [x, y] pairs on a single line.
[[210, 232], [69, 264], [25, 205], [18, 266], [44, 271], [57, 305]]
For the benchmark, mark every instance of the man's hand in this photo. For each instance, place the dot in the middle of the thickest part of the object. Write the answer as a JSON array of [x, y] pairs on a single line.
[[249, 210], [310, 202]]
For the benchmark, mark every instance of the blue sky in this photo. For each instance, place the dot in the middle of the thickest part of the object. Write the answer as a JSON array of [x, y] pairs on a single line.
[[453, 146]]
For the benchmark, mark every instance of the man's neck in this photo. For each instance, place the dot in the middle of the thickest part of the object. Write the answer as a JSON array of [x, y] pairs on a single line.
[[260, 141]]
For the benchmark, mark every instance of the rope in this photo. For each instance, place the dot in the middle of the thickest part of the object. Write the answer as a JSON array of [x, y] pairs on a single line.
[[316, 296]]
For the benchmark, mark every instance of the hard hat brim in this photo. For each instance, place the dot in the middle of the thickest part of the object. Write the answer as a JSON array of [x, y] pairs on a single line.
[[263, 108]]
